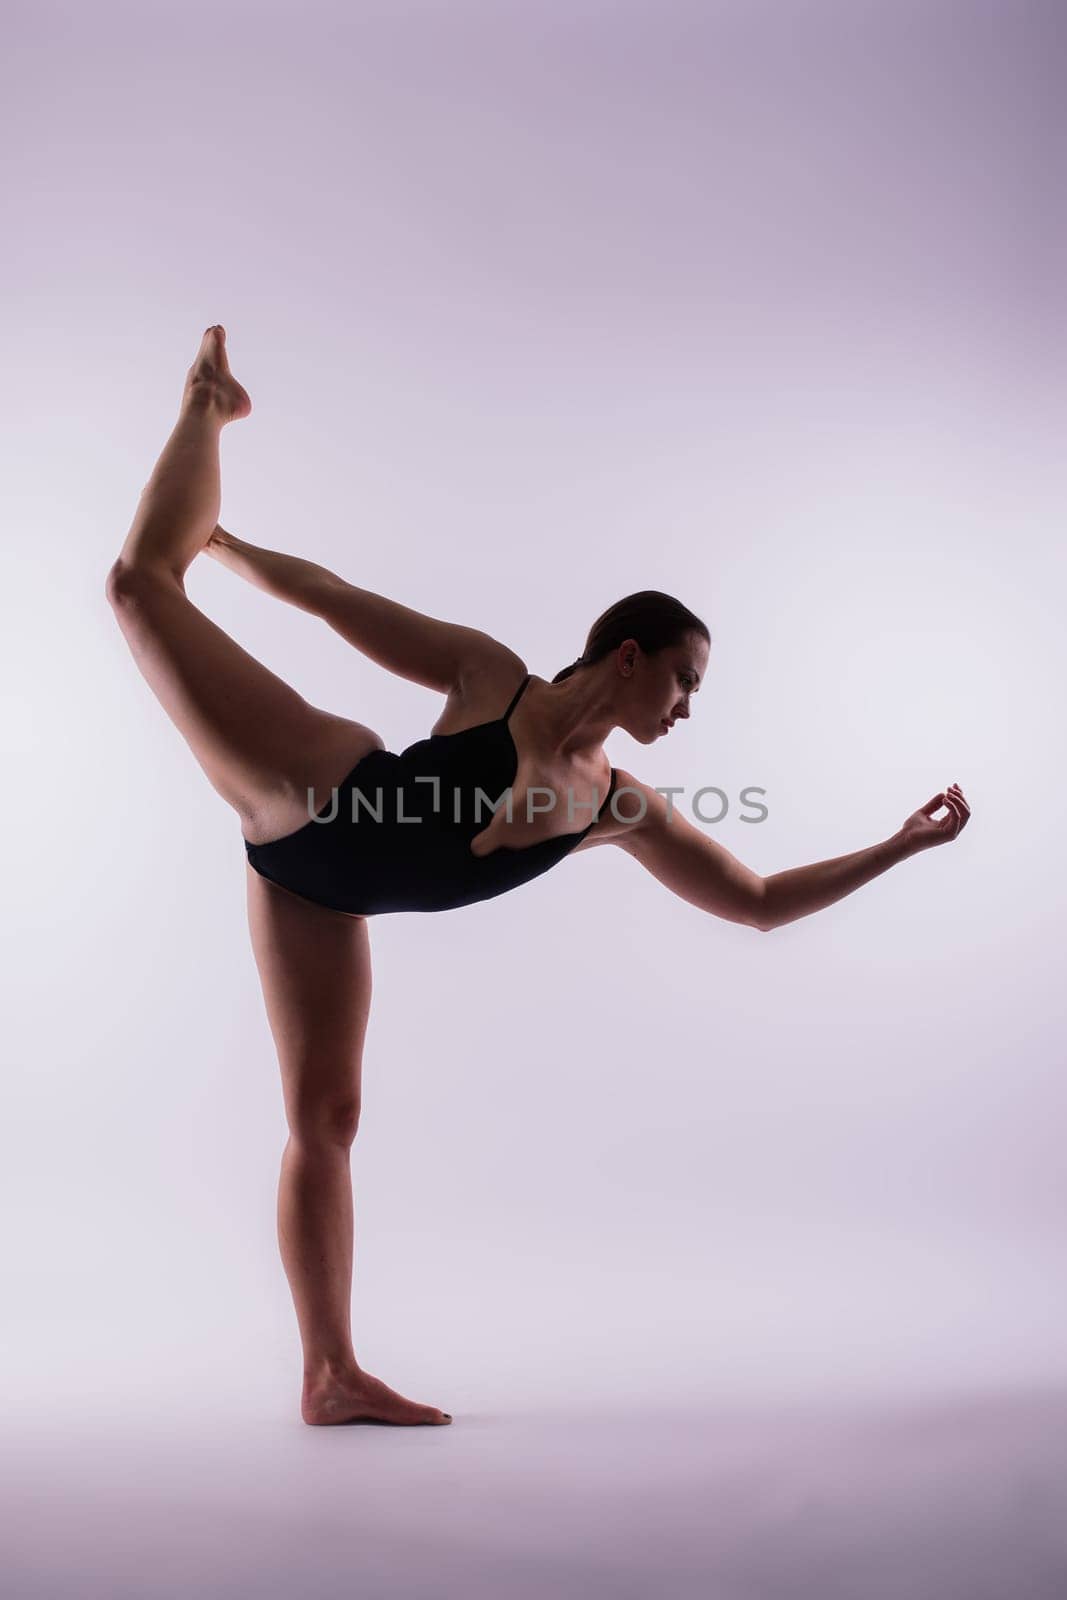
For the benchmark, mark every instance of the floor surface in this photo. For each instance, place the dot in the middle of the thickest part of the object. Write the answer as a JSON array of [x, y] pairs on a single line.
[[960, 1499]]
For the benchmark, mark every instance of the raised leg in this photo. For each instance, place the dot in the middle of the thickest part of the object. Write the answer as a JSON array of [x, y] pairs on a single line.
[[315, 969], [180, 503], [259, 742]]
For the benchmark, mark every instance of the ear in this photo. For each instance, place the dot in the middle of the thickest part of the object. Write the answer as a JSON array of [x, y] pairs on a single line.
[[627, 656]]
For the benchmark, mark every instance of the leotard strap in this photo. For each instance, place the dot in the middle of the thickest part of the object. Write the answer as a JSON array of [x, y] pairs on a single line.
[[515, 698]]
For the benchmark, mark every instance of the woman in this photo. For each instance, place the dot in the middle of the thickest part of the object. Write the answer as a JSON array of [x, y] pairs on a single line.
[[314, 877]]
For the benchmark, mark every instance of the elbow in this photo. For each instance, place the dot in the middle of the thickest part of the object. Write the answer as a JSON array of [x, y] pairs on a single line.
[[763, 919]]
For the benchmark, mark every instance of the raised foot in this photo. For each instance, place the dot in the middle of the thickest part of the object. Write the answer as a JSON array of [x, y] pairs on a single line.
[[357, 1397], [210, 384]]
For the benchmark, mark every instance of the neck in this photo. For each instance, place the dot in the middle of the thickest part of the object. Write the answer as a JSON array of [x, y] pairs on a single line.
[[577, 712]]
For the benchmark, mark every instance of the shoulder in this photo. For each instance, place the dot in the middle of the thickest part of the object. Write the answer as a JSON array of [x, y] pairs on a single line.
[[641, 818], [490, 665], [635, 808], [490, 675]]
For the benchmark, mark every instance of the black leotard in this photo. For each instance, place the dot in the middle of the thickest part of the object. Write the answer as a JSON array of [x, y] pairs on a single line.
[[369, 866]]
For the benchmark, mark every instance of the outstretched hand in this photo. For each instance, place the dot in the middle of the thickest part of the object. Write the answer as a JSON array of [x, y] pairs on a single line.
[[921, 830]]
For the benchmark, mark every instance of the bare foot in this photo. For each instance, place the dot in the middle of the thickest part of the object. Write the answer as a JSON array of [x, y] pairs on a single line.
[[209, 381], [357, 1397]]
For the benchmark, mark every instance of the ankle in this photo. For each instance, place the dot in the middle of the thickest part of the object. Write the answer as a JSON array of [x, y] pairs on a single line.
[[329, 1368], [204, 397]]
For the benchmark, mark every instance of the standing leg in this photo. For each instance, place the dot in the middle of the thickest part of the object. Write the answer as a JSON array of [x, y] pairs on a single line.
[[314, 966]]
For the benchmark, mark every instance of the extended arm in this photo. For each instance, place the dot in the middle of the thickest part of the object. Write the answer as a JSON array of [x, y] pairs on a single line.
[[423, 649], [802, 890], [702, 872]]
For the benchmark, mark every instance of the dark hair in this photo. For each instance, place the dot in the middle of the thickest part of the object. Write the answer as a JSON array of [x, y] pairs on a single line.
[[654, 619]]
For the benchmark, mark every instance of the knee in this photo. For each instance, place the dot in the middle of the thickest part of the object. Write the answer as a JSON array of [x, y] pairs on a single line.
[[120, 583], [334, 1121], [128, 582]]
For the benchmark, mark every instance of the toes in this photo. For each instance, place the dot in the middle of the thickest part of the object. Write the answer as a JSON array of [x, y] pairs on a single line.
[[217, 335], [213, 346], [206, 360]]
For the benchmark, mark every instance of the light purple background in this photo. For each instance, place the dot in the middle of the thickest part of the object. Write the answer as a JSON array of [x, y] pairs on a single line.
[[539, 306]]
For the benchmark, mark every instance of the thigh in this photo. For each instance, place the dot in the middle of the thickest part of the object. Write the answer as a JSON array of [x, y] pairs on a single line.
[[315, 969], [260, 743]]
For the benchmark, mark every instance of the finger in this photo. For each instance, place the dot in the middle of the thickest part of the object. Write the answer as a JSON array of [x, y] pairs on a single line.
[[954, 821], [932, 805], [957, 794]]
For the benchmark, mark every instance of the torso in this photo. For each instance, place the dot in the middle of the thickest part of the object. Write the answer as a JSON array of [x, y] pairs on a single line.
[[485, 697], [331, 862]]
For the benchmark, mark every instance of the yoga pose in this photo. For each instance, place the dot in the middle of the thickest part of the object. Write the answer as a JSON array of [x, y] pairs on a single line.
[[408, 832]]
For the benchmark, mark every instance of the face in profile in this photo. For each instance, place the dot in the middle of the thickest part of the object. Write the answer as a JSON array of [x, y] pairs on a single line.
[[662, 686]]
